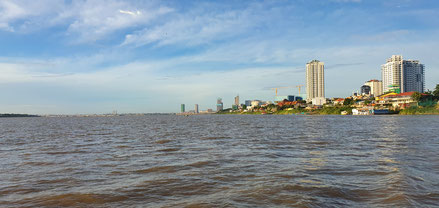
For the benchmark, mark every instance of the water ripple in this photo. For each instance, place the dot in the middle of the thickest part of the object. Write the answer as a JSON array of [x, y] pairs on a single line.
[[220, 161]]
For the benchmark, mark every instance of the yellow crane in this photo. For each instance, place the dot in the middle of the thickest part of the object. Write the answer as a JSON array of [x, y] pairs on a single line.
[[275, 88], [299, 86]]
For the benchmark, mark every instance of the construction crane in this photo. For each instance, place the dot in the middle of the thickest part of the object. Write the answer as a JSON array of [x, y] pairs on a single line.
[[275, 88], [299, 86]]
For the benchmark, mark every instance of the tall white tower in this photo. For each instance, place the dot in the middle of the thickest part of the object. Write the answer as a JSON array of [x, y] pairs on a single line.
[[391, 73], [407, 75], [315, 80]]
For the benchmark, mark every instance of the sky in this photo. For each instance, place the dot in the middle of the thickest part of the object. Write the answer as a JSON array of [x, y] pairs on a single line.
[[98, 56]]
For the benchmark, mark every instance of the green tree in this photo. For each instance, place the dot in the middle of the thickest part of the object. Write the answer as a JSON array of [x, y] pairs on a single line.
[[436, 91], [416, 96], [428, 92], [348, 102]]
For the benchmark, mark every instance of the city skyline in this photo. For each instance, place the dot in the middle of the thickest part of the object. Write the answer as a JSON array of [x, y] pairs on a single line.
[[70, 57]]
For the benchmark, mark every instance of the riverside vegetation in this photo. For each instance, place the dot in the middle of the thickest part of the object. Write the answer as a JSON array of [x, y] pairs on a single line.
[[427, 104], [337, 110]]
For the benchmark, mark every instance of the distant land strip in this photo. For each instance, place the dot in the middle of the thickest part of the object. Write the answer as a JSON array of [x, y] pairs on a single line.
[[10, 115]]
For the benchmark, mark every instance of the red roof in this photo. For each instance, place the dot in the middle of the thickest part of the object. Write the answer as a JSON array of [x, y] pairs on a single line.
[[406, 94]]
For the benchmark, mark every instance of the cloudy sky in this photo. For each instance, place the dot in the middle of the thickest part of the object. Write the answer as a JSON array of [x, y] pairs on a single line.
[[79, 56]]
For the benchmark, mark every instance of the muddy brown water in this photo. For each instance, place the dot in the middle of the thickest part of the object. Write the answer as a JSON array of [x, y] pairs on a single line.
[[220, 161]]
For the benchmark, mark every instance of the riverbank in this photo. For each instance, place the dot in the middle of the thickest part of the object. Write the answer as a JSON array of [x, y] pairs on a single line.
[[300, 111], [432, 110], [11, 115]]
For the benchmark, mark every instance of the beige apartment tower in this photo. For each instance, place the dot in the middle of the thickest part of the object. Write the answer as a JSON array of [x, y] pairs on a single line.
[[237, 100], [376, 87], [315, 80]]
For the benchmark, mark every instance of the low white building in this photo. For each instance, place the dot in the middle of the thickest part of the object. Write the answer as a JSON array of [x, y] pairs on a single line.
[[256, 103], [318, 101]]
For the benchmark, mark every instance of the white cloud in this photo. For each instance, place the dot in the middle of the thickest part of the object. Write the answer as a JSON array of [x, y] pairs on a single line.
[[12, 11], [130, 12], [93, 20], [87, 20], [199, 28]]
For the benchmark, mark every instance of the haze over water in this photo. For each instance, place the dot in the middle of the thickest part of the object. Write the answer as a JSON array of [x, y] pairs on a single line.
[[220, 161]]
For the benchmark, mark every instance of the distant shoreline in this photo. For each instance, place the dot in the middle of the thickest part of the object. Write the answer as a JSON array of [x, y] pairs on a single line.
[[13, 115]]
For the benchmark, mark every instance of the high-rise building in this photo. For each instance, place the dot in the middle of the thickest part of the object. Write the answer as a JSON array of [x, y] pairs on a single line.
[[182, 108], [414, 77], [315, 80], [376, 87], [408, 75], [365, 90], [237, 100], [196, 108], [219, 104]]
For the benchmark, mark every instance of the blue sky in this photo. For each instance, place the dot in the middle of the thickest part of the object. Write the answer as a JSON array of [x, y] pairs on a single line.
[[68, 57]]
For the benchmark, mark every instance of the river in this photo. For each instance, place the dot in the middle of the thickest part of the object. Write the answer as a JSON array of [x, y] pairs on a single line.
[[220, 161]]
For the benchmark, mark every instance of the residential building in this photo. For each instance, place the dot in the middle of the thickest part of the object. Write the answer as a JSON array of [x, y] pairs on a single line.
[[376, 87], [237, 100], [315, 80], [182, 108], [365, 90], [219, 104], [196, 108], [391, 72], [282, 98], [408, 75], [401, 100], [256, 103], [318, 101], [248, 103], [414, 77]]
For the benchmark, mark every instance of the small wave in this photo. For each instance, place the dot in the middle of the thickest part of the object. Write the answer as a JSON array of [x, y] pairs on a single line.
[[201, 164], [159, 169], [33, 163], [63, 153], [122, 146], [214, 138], [396, 199], [169, 150], [73, 200], [18, 190], [163, 141]]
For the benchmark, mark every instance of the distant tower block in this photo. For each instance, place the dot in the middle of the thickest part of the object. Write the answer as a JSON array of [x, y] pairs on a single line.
[[219, 104], [182, 108], [315, 80], [237, 100], [196, 108]]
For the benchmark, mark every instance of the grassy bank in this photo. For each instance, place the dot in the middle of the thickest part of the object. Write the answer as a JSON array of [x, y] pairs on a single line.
[[323, 111], [432, 110], [240, 113]]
